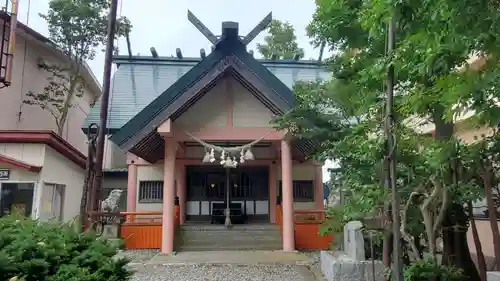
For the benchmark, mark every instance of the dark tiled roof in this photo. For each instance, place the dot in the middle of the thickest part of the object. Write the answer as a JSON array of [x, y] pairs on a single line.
[[140, 80]]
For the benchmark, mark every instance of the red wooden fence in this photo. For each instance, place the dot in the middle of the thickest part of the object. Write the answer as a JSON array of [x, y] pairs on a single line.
[[307, 228], [142, 230]]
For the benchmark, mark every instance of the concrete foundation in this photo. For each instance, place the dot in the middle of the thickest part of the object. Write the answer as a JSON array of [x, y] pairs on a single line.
[[493, 276], [337, 266]]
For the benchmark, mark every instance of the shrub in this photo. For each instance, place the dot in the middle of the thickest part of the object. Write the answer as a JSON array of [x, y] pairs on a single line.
[[430, 270], [35, 251]]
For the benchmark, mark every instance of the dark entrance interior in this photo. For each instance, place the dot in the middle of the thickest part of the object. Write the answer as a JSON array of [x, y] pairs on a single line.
[[16, 198], [207, 186]]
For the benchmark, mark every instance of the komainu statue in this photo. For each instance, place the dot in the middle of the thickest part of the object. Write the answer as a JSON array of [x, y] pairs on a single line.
[[111, 203]]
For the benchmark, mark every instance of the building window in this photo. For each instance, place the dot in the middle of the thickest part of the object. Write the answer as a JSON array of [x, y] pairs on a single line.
[[150, 191], [303, 190]]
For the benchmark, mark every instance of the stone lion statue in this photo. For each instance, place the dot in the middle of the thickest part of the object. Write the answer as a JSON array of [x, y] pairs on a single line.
[[111, 203]]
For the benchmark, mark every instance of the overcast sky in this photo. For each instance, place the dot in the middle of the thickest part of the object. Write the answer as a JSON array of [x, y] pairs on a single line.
[[164, 24]]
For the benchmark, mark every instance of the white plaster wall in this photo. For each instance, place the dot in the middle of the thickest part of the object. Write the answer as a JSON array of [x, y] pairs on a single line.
[[209, 111], [26, 77], [248, 111], [31, 153], [114, 157], [468, 135], [58, 169], [19, 174]]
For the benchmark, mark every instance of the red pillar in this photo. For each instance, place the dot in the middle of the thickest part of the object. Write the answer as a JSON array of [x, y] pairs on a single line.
[[167, 229], [318, 186], [132, 188], [287, 199]]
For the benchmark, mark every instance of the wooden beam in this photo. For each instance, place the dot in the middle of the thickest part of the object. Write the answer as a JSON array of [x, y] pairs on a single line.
[[258, 29], [202, 28], [153, 52]]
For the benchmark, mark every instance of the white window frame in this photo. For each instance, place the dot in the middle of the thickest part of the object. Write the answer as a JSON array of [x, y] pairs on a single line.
[[36, 195]]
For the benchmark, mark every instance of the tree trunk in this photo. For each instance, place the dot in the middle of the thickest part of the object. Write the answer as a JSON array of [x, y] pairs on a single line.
[[387, 252], [388, 241], [89, 178], [455, 248], [67, 104], [455, 216], [481, 262], [492, 213]]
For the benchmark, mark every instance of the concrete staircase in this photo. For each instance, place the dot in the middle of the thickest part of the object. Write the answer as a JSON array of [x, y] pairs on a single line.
[[213, 237]]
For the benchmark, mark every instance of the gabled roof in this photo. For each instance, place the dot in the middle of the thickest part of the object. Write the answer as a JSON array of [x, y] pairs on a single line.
[[139, 80], [229, 57]]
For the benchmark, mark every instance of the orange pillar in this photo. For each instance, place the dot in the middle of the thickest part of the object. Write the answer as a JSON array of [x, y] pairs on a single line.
[[132, 188], [181, 191], [318, 186], [287, 199], [167, 228], [273, 192]]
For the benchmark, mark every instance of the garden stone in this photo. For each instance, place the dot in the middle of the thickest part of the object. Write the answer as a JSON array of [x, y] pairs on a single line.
[[354, 244]]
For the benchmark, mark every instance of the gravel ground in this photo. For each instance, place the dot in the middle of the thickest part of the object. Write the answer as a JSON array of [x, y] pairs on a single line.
[[137, 256], [219, 272], [223, 273]]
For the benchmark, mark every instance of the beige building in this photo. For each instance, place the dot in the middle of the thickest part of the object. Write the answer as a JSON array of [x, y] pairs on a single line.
[[41, 173], [468, 133]]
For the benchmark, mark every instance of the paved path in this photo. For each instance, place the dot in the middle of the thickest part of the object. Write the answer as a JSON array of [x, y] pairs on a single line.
[[225, 265]]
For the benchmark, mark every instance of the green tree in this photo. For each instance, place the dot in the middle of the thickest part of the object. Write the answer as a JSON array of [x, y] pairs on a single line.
[[434, 84], [78, 29], [281, 42]]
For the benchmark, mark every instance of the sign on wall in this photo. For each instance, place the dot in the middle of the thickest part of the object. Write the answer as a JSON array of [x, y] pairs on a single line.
[[4, 174]]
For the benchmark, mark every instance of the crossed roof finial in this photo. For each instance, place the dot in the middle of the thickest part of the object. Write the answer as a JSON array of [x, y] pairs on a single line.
[[245, 40]]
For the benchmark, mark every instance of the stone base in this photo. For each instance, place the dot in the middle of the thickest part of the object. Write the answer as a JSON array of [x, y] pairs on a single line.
[[493, 276], [110, 231], [336, 266]]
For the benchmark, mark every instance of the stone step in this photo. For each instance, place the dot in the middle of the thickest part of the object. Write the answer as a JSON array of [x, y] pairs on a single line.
[[212, 247], [241, 227], [207, 237], [229, 233], [229, 236]]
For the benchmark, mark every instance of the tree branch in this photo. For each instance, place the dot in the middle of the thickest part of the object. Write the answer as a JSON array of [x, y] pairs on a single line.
[[404, 223], [444, 206], [426, 213]]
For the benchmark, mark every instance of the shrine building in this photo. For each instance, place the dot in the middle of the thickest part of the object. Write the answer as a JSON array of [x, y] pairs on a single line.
[[197, 133]]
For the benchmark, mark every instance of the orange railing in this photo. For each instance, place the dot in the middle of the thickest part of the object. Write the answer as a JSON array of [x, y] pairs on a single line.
[[142, 230], [307, 227]]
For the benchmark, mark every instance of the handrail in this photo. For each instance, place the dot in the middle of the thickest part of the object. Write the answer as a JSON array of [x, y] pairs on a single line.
[[309, 216], [141, 213]]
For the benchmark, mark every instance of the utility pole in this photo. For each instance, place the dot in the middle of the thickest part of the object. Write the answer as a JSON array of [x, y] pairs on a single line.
[[108, 62], [391, 158]]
